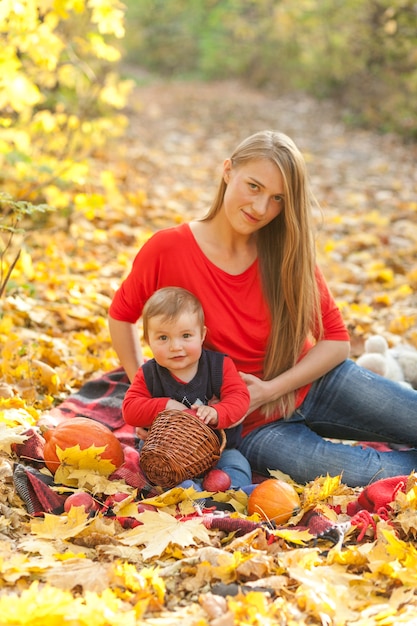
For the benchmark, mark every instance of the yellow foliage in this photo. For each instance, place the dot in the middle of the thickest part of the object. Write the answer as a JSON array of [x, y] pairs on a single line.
[[320, 490], [52, 61], [402, 323], [147, 583], [108, 15], [87, 460], [51, 606], [115, 92], [253, 609]]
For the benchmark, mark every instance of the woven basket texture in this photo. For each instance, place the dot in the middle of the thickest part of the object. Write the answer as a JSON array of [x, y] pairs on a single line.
[[178, 447]]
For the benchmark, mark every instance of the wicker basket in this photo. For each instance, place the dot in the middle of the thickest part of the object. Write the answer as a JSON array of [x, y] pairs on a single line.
[[178, 447]]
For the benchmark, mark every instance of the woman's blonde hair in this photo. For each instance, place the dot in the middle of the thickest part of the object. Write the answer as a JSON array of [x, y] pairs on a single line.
[[170, 303], [286, 254]]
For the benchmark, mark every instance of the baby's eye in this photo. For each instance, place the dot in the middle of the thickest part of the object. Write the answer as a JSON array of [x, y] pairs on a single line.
[[187, 335], [163, 337]]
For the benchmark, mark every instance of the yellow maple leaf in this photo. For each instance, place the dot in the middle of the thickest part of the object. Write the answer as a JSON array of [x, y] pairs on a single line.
[[159, 529], [405, 552], [92, 481], [320, 489], [228, 563], [146, 584], [61, 527], [252, 609], [174, 496], [325, 590], [350, 555], [237, 499], [74, 458]]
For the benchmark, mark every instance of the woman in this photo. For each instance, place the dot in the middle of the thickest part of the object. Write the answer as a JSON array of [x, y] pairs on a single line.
[[251, 262]]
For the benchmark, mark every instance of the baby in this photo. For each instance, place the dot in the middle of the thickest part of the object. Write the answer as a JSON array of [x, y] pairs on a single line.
[[185, 376]]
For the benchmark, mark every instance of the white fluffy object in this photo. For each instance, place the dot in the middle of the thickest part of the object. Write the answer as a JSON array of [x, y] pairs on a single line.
[[398, 364]]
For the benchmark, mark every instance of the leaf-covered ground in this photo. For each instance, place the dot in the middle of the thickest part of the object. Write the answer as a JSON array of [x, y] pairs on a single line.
[[79, 570]]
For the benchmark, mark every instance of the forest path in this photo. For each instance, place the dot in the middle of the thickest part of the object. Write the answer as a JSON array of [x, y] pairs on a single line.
[[194, 126]]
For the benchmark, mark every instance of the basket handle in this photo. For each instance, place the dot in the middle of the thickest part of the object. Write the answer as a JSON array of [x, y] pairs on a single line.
[[222, 435]]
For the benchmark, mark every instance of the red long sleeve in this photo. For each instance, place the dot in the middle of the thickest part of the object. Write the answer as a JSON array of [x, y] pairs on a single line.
[[139, 408], [234, 396]]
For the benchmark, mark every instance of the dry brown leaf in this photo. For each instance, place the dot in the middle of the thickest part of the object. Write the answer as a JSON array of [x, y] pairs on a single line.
[[85, 574]]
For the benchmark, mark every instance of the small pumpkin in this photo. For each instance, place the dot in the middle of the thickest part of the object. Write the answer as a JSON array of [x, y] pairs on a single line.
[[84, 432], [274, 500]]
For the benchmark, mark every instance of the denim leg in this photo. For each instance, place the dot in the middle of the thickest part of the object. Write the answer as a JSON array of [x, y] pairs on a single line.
[[237, 466], [347, 403], [351, 402]]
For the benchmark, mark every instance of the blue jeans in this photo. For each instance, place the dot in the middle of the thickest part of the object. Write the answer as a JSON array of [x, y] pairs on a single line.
[[348, 403], [237, 466]]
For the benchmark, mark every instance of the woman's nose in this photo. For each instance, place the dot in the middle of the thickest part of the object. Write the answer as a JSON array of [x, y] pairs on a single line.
[[260, 205]]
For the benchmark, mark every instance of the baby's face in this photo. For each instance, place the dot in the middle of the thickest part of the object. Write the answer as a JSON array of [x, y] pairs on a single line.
[[176, 344]]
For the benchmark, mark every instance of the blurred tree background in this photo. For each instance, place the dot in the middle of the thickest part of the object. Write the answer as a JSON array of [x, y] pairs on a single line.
[[362, 53], [64, 83]]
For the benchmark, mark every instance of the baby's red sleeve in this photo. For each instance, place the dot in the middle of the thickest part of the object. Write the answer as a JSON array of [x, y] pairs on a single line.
[[139, 408]]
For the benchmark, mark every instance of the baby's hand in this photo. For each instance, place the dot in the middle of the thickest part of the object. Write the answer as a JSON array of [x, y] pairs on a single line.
[[175, 405], [141, 433], [207, 414]]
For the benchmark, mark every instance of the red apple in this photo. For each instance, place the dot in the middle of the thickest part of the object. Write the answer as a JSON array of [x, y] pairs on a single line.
[[81, 498], [115, 498], [143, 506], [216, 480]]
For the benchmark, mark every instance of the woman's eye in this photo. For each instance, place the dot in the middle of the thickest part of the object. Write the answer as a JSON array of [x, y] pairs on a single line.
[[253, 186], [278, 199]]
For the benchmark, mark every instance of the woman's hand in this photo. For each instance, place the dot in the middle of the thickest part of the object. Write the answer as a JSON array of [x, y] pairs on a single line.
[[323, 357], [258, 390]]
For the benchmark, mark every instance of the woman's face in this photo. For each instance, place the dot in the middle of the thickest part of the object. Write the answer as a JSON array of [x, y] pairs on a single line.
[[254, 195]]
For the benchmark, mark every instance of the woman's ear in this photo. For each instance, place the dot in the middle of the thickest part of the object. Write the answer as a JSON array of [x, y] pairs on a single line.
[[227, 167]]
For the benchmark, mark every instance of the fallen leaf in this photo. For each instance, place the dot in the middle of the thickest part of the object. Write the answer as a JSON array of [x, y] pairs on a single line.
[[160, 529], [61, 527]]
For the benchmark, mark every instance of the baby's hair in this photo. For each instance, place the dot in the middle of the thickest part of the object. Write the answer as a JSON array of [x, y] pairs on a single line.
[[170, 302]]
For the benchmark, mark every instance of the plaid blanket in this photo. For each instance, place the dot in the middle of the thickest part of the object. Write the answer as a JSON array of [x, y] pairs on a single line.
[[101, 400]]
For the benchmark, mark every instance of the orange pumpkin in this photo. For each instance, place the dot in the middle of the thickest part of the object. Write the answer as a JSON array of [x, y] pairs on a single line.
[[85, 432], [274, 500]]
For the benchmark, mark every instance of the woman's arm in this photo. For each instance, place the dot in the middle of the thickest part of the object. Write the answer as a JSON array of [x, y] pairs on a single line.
[[125, 341], [323, 357]]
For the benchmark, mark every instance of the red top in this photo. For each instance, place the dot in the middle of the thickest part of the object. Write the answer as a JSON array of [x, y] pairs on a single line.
[[140, 408], [237, 316]]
